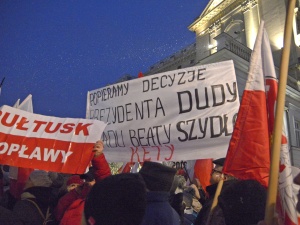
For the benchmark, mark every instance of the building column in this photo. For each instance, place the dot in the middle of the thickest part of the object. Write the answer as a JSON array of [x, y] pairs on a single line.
[[214, 30], [251, 19]]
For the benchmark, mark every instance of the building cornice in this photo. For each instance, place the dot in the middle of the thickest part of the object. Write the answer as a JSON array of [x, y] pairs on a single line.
[[206, 20]]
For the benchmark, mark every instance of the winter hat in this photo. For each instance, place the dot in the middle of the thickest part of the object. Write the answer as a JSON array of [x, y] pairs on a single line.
[[57, 179], [40, 178], [157, 176], [219, 162], [243, 202], [75, 179], [117, 200]]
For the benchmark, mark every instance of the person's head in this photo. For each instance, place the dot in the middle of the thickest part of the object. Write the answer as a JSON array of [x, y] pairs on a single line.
[[38, 178], [217, 171], [243, 202], [73, 182], [157, 176], [57, 179], [117, 200], [297, 181]]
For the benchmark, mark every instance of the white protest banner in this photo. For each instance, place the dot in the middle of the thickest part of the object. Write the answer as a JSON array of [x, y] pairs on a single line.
[[49, 143], [172, 116]]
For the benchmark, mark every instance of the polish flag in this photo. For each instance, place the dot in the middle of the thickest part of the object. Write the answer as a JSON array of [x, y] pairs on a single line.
[[202, 171], [262, 67], [248, 155], [286, 199]]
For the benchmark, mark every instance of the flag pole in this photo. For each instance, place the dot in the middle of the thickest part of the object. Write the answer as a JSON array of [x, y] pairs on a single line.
[[275, 151], [215, 200]]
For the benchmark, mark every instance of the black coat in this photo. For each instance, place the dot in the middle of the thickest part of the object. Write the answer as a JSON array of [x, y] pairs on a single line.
[[204, 212], [7, 217], [28, 213]]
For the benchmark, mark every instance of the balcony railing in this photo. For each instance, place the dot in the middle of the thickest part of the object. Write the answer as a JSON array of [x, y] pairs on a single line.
[[226, 41]]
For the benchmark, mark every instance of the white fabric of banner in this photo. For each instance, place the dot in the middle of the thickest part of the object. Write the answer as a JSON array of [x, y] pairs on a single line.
[[177, 115]]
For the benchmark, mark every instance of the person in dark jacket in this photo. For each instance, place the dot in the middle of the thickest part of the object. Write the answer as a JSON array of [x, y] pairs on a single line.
[[7, 217], [117, 200], [211, 190], [36, 204], [159, 179], [243, 202]]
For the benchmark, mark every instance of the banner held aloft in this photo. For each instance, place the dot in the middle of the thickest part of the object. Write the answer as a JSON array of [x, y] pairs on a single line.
[[176, 115]]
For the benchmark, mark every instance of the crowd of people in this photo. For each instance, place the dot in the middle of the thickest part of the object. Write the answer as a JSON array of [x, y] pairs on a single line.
[[156, 195]]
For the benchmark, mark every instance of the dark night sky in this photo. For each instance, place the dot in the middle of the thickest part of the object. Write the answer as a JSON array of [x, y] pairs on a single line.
[[58, 50]]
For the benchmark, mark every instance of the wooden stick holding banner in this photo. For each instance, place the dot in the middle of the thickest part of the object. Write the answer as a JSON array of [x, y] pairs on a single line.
[[275, 151], [215, 201], [187, 173]]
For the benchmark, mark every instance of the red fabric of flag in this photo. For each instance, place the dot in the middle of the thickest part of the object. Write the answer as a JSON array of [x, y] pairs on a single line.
[[286, 199], [248, 155], [140, 75], [23, 176], [202, 171]]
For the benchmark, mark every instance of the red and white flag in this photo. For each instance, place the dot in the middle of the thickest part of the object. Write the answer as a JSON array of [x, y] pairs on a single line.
[[202, 171], [286, 199], [248, 155], [261, 67]]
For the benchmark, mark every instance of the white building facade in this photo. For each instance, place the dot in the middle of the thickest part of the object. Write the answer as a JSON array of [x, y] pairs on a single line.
[[227, 29]]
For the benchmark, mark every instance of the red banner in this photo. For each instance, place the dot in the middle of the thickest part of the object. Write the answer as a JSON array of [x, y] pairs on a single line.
[[49, 143]]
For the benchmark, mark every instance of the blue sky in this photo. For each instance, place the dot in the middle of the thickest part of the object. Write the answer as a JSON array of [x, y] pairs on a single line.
[[58, 50]]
